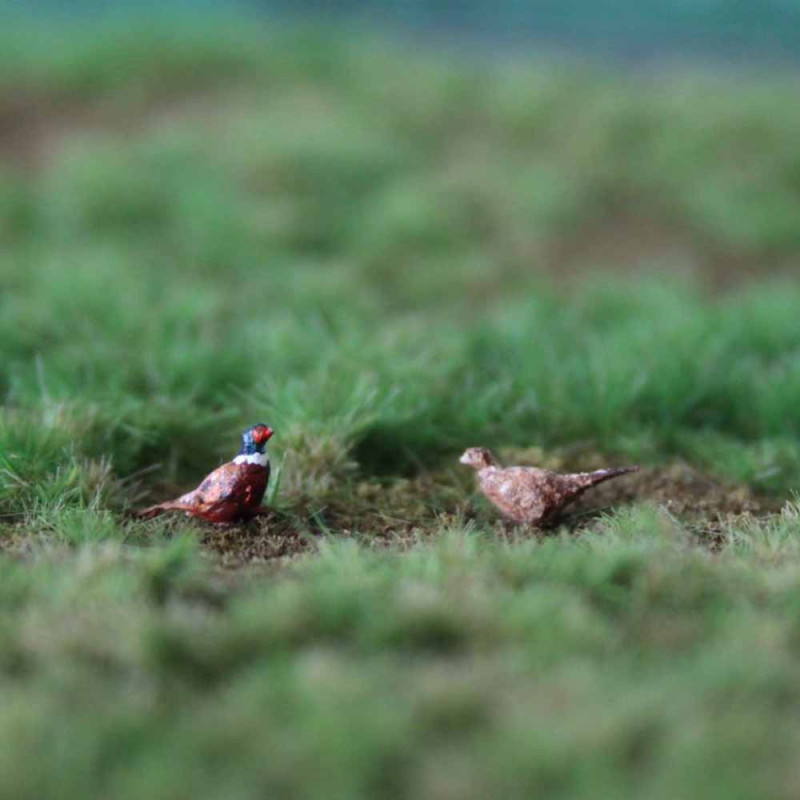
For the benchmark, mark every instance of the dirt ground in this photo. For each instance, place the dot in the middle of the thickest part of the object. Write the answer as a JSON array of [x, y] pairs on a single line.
[[399, 514]]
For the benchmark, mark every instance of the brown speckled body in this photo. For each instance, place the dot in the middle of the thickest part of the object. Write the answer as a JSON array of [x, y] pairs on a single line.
[[231, 493], [531, 496]]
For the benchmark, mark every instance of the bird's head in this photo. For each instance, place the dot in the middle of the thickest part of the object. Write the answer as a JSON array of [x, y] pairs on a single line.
[[255, 438], [478, 458]]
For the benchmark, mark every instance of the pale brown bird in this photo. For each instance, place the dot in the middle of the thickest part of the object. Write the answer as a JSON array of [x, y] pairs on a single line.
[[531, 496]]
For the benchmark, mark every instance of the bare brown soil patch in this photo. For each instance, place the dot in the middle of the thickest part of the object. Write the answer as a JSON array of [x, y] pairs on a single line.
[[634, 239], [623, 240], [31, 123], [407, 512], [265, 539], [35, 124], [680, 490]]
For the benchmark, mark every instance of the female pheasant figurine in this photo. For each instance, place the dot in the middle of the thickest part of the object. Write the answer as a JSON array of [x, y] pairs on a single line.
[[232, 492], [531, 496]]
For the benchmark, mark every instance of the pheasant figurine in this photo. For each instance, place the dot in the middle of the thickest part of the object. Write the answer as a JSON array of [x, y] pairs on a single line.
[[531, 496], [232, 492]]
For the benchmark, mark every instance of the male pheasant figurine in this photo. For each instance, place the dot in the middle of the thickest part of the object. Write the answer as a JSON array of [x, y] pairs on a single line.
[[531, 496], [232, 492]]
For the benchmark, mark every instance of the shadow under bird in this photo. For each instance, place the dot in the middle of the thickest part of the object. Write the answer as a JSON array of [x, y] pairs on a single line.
[[531, 496], [232, 492]]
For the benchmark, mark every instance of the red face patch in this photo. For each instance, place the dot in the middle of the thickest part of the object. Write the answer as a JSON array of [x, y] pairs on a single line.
[[262, 434]]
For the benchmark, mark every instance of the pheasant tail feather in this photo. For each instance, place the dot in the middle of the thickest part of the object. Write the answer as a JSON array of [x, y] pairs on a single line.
[[586, 480], [154, 511]]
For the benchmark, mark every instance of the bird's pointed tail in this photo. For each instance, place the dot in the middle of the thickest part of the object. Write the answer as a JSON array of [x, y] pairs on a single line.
[[585, 480], [157, 510]]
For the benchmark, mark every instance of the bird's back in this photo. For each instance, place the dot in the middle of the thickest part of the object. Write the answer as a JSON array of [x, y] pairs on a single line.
[[242, 485], [526, 494]]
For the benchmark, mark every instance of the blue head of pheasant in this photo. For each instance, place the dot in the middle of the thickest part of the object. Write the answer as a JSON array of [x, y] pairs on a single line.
[[254, 439]]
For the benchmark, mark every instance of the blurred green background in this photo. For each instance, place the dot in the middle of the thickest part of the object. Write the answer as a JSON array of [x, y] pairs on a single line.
[[567, 233], [765, 31]]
